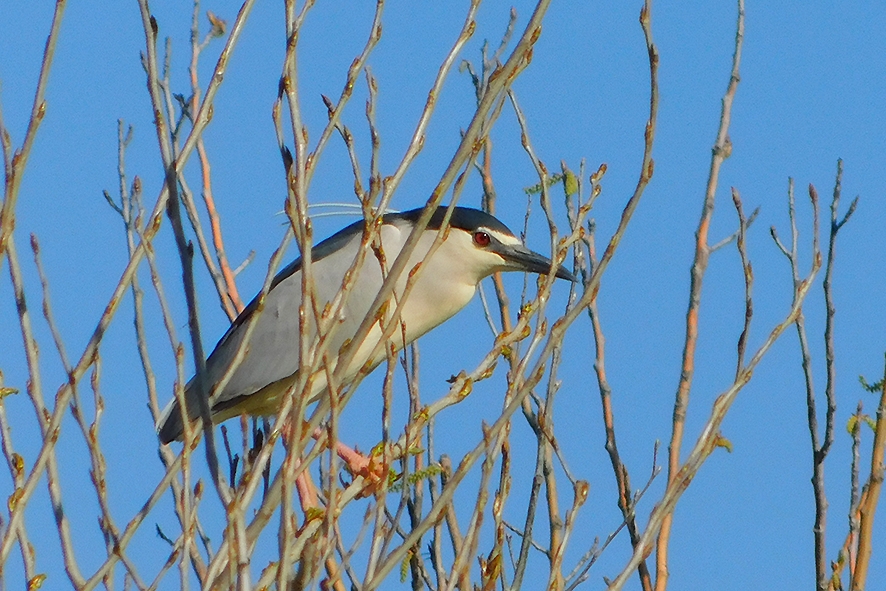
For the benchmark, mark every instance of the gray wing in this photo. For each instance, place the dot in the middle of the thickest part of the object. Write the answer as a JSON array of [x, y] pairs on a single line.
[[272, 351], [271, 355]]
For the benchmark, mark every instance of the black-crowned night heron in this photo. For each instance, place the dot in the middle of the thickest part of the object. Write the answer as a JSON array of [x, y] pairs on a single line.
[[477, 246]]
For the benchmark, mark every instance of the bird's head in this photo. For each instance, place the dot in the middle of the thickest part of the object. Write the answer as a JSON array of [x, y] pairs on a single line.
[[480, 245]]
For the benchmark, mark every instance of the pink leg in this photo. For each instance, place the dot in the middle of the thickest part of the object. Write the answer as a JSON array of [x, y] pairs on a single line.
[[372, 468]]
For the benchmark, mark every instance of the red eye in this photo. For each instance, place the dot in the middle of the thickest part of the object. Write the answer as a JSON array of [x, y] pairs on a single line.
[[482, 239]]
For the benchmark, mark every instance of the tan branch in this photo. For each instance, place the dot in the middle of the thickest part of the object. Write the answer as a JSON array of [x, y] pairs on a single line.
[[722, 149]]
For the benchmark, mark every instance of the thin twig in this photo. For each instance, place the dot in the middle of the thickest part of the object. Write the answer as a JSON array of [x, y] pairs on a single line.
[[748, 279], [215, 223], [581, 571], [722, 149], [14, 164], [622, 477], [819, 452]]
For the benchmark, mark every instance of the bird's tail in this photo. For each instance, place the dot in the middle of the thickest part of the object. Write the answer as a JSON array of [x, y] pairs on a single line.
[[169, 426]]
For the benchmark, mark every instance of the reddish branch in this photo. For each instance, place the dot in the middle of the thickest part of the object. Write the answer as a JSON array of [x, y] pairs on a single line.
[[215, 223], [722, 149]]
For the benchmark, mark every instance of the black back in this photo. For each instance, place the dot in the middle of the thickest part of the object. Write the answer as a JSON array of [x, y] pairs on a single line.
[[463, 218]]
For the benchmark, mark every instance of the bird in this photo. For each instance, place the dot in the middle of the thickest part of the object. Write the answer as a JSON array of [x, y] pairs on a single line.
[[477, 245]]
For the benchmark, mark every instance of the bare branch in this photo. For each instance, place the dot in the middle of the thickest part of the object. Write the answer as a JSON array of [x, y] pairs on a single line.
[[748, 279], [722, 149], [14, 164]]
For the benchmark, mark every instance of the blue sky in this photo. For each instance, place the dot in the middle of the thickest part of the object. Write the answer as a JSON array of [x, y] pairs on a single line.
[[811, 91]]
